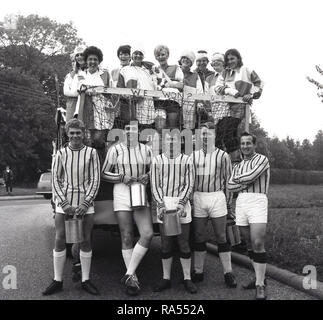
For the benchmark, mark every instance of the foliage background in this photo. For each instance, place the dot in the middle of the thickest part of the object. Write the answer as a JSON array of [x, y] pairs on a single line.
[[35, 52]]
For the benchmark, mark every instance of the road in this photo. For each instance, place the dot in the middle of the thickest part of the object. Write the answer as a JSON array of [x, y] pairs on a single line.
[[26, 242]]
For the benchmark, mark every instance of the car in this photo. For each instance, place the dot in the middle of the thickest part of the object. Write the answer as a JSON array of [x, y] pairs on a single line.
[[44, 185]]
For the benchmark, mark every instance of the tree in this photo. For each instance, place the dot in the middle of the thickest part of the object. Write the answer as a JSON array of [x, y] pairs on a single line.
[[305, 157], [40, 47], [33, 51], [317, 83], [280, 156], [318, 150], [261, 134], [38, 39], [293, 148], [26, 125]]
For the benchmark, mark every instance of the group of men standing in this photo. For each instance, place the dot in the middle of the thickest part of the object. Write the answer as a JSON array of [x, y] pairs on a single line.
[[204, 179]]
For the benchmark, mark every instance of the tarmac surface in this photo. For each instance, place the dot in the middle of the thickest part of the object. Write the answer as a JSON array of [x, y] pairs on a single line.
[[27, 239]]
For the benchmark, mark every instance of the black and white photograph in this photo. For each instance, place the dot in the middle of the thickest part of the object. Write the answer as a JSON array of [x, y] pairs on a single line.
[[165, 152]]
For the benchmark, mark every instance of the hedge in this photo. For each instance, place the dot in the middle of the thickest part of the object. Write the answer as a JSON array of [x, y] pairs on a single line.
[[293, 176]]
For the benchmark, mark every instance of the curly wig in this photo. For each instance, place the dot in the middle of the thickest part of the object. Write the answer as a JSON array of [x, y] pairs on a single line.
[[93, 51]]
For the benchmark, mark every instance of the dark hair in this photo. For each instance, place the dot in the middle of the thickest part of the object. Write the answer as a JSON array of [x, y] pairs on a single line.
[[233, 52], [124, 49], [208, 124], [93, 51], [247, 134], [180, 63], [79, 67]]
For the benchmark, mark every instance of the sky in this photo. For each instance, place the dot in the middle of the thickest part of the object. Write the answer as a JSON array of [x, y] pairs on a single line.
[[280, 40]]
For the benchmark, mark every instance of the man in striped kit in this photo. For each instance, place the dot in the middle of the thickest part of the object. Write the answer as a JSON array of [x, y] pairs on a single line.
[[212, 171], [171, 184], [251, 178], [128, 162], [76, 180]]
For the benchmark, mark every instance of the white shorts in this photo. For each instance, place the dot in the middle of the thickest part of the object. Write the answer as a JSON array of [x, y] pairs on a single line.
[[209, 204], [121, 197], [251, 208], [171, 204]]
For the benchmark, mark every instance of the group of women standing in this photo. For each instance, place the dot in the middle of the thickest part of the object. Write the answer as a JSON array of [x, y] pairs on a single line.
[[101, 113]]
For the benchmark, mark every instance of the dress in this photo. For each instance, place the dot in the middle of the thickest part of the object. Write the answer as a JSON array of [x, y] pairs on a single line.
[[203, 76], [139, 78], [219, 109], [192, 85], [122, 117], [171, 73], [244, 81], [99, 111], [71, 94]]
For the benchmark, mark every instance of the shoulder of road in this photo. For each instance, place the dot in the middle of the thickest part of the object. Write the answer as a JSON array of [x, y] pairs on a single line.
[[284, 276], [26, 197]]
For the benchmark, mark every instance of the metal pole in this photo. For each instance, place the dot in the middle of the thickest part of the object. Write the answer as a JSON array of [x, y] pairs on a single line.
[[58, 113], [80, 115], [57, 90], [247, 117]]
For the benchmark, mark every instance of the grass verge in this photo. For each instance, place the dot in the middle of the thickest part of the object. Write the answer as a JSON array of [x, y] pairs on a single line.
[[295, 227], [295, 239]]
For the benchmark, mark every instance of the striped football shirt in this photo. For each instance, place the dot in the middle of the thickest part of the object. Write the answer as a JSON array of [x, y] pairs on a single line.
[[171, 178], [253, 172], [212, 170], [122, 160], [76, 176]]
